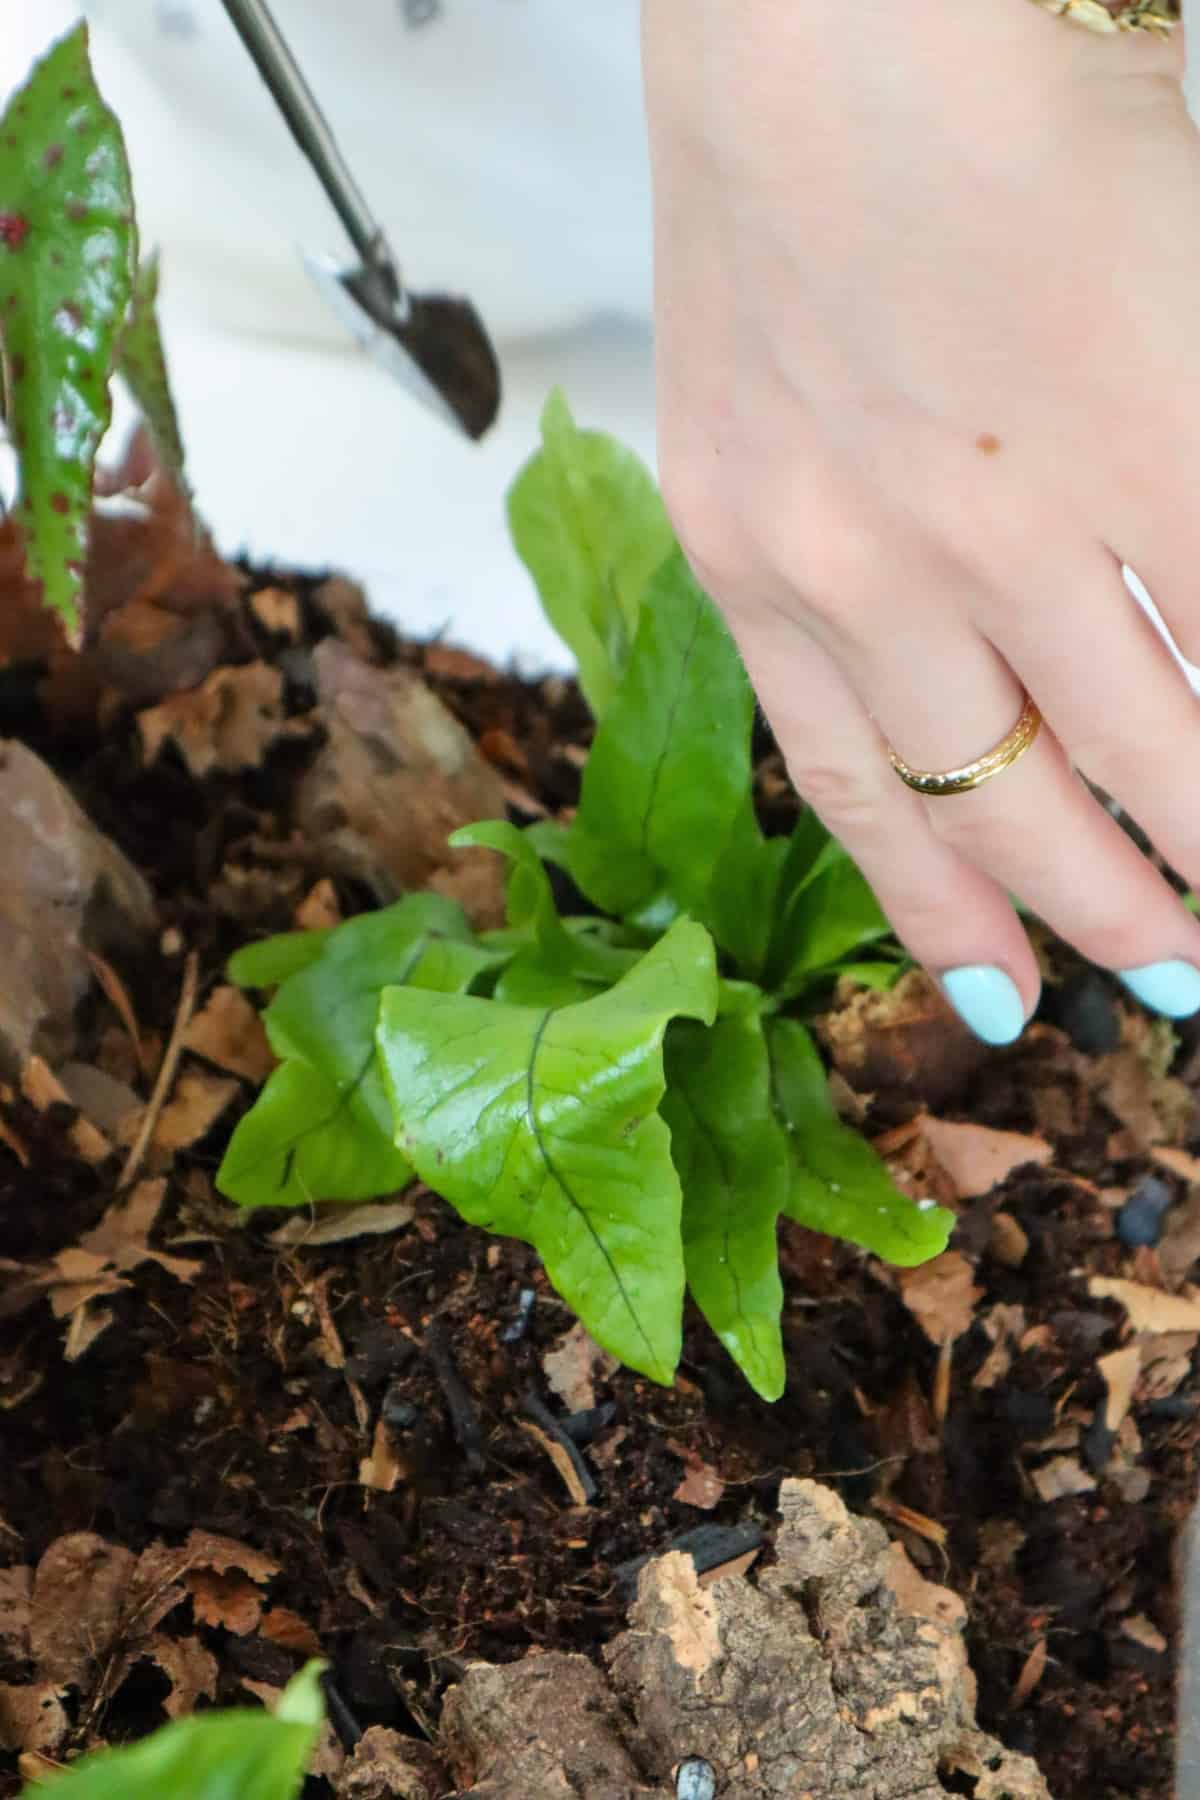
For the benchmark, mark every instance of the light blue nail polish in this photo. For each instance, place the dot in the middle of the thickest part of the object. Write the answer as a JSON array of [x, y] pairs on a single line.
[[987, 1000], [1172, 988]]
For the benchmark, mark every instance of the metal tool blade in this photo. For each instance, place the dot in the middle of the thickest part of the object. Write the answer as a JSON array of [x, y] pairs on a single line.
[[436, 345]]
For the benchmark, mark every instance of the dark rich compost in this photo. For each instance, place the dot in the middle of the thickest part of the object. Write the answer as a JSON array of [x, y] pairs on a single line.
[[356, 1416]]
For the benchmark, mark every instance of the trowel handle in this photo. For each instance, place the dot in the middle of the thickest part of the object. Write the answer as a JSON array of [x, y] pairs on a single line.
[[255, 25]]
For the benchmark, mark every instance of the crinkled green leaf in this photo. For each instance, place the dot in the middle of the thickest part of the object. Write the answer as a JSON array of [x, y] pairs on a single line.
[[550, 839], [878, 975], [734, 1165], [587, 521], [670, 766], [142, 363], [557, 966], [322, 1128], [301, 1142], [829, 918], [238, 1754], [273, 959], [543, 1123], [839, 1185], [68, 251], [740, 906]]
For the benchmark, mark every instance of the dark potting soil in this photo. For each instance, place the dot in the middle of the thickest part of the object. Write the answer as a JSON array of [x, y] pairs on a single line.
[[244, 1401]]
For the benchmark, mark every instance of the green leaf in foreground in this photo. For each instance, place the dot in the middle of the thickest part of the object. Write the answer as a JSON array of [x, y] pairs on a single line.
[[322, 1127], [68, 251], [230, 1755], [143, 365], [588, 523], [839, 1185], [734, 1165], [741, 900], [670, 766], [557, 966], [831, 916], [544, 1124], [273, 959]]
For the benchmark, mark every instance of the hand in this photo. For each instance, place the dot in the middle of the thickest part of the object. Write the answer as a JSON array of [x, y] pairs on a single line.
[[928, 319]]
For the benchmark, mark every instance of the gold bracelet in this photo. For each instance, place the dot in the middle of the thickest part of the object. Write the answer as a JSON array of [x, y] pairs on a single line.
[[1158, 16]]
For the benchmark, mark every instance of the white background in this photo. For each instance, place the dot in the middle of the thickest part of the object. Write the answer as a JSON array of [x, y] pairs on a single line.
[[503, 146]]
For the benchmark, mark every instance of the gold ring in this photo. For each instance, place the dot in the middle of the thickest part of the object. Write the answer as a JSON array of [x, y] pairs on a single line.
[[974, 774]]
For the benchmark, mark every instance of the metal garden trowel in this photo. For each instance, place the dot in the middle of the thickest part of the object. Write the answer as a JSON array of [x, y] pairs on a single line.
[[435, 344]]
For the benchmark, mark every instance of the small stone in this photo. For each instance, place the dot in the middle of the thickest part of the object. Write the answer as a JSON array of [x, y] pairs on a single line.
[[695, 1780], [1140, 1220], [1085, 1008], [65, 889]]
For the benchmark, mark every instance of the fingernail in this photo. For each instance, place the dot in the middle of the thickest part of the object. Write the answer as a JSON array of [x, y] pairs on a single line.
[[987, 1000], [1172, 988]]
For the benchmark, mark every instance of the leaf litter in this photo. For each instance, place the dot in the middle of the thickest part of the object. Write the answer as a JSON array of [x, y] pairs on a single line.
[[279, 1395]]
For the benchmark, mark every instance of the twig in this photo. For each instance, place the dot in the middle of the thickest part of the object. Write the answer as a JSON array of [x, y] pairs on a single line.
[[166, 1074], [583, 1490], [463, 1416]]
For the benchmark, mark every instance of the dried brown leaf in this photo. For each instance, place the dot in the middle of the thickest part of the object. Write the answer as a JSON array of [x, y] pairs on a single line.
[[701, 1487], [319, 909], [228, 723], [118, 995], [1032, 1670], [1062, 1477], [737, 1565], [87, 1323], [1119, 1371], [383, 1470], [16, 1593], [396, 775], [288, 1629], [1004, 1325], [340, 1224], [1179, 1246], [941, 1295], [977, 1158], [1178, 1162], [278, 611], [199, 1099], [559, 1457], [33, 1718], [190, 1669], [9, 1138], [1149, 1309], [1167, 1362], [345, 606], [112, 1106], [932, 1530], [1152, 1106], [572, 1367], [80, 1588], [121, 1236], [42, 1088], [209, 1550], [1141, 1630], [229, 1599], [228, 1032], [1009, 1241]]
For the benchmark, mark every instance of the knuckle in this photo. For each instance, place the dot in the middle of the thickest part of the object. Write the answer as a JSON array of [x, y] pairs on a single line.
[[984, 834], [706, 523], [848, 802], [822, 548]]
